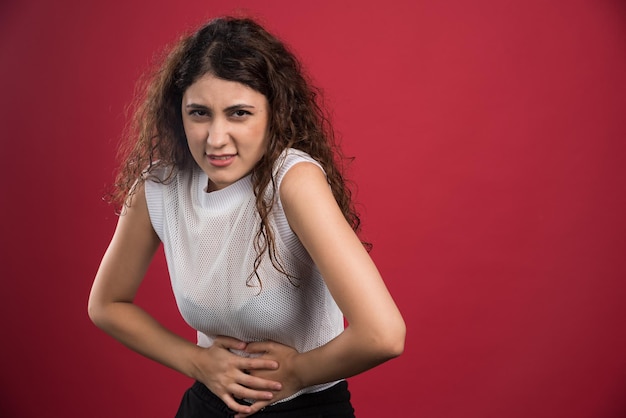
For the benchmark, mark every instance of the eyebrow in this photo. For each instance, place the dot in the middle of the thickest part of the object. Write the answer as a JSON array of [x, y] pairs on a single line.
[[228, 109]]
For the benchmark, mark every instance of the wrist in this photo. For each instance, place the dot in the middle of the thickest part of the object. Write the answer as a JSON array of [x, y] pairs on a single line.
[[298, 363], [192, 367]]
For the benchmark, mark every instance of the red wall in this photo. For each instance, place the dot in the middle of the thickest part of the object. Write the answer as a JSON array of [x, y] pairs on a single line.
[[490, 144]]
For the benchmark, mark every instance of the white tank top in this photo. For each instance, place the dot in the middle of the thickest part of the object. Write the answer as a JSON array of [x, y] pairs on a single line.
[[208, 240]]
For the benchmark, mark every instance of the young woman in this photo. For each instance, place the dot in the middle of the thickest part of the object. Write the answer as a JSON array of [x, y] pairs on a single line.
[[232, 167]]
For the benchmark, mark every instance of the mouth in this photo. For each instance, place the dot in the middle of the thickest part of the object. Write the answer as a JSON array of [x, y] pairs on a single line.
[[222, 160], [220, 157]]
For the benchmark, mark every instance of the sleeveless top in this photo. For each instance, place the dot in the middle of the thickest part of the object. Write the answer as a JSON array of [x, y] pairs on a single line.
[[208, 240]]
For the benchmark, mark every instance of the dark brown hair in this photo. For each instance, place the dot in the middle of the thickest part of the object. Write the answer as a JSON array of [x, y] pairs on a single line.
[[237, 50]]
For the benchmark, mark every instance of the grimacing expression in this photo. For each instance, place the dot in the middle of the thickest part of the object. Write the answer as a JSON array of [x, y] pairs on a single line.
[[226, 125]]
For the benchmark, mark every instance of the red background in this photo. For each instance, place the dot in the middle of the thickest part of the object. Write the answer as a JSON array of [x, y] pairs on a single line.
[[489, 143]]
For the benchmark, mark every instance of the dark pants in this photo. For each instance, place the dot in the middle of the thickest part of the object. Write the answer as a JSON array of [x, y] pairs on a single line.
[[199, 402]]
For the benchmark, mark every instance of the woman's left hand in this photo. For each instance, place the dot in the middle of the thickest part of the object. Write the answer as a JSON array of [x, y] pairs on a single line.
[[285, 374]]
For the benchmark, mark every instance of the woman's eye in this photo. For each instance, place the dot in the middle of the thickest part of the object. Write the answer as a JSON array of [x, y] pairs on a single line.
[[198, 113], [240, 113]]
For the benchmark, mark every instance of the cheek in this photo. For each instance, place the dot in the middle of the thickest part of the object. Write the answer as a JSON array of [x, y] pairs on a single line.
[[261, 142], [263, 136], [193, 134]]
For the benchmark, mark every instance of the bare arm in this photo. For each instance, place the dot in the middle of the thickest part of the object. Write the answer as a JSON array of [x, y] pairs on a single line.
[[111, 308], [376, 329]]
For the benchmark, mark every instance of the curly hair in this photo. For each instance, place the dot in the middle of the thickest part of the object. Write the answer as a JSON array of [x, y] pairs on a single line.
[[240, 50]]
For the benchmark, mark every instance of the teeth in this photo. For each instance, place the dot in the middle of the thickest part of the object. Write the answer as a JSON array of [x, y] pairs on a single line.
[[226, 157]]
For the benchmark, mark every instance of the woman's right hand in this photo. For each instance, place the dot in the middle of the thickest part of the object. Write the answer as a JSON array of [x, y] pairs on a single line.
[[227, 374]]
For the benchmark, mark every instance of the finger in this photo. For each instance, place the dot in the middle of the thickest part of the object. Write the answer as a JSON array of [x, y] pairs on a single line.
[[236, 406], [229, 342], [257, 406], [259, 347], [257, 364], [258, 383], [242, 392]]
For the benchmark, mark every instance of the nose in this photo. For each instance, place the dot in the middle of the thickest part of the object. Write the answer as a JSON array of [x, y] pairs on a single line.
[[217, 134]]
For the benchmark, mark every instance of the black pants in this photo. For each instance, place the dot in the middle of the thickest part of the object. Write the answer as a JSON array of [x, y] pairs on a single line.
[[334, 402]]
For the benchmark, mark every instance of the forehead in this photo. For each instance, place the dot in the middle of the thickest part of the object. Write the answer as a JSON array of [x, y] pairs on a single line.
[[209, 89]]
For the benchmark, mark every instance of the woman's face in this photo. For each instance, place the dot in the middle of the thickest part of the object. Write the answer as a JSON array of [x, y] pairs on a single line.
[[226, 127]]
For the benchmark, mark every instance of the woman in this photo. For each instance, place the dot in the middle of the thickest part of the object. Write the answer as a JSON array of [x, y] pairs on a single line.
[[231, 166]]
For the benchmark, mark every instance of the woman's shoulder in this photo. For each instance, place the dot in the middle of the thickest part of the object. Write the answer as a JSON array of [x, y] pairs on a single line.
[[290, 157], [161, 179], [159, 173]]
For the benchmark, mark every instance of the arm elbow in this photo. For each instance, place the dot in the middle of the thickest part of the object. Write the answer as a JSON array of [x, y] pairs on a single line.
[[391, 343], [96, 313], [92, 311], [395, 344], [396, 349]]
